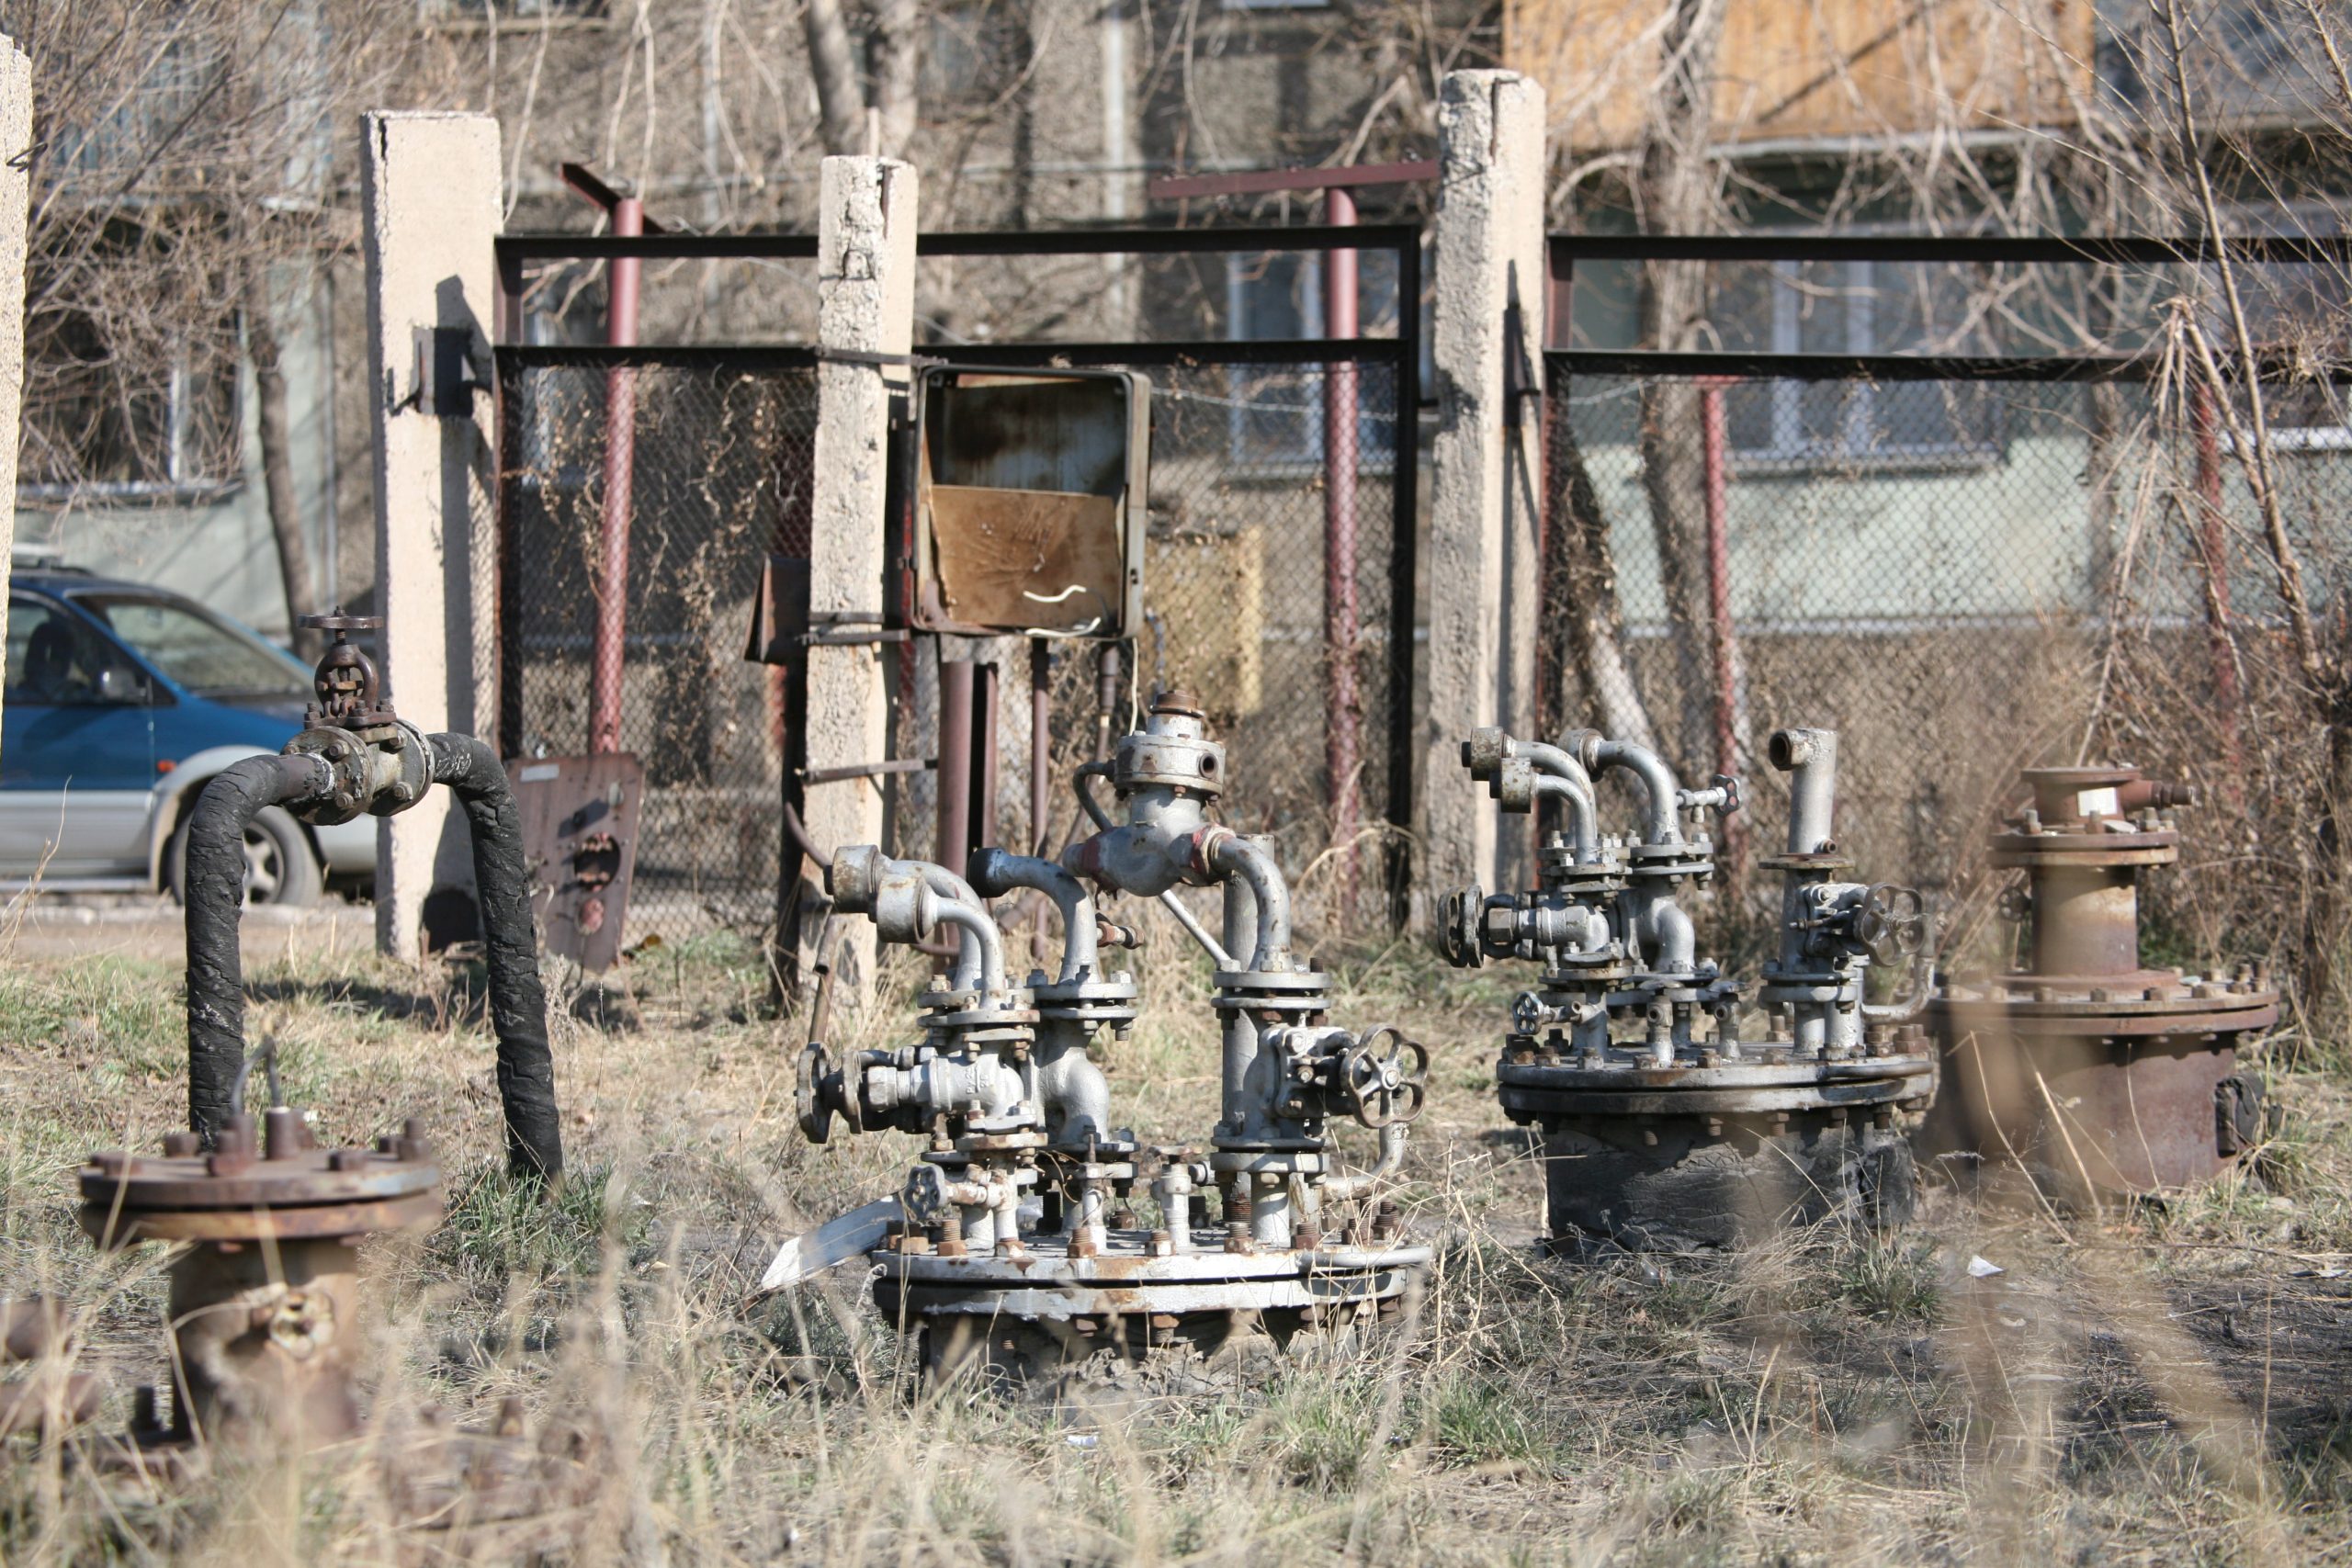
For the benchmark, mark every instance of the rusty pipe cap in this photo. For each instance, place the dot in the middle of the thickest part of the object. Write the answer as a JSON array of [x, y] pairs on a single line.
[[1175, 700], [1514, 784], [854, 877], [1793, 748], [1483, 751], [1584, 745]]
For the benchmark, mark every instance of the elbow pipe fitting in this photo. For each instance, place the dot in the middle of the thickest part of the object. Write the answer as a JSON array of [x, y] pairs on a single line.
[[856, 881], [1598, 754], [1663, 930], [216, 896], [1810, 759], [1091, 807], [995, 873], [518, 1000], [1221, 852], [1076, 1095]]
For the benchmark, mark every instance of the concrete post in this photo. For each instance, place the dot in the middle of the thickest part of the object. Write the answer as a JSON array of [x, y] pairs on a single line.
[[1487, 461], [865, 298], [429, 186], [16, 190]]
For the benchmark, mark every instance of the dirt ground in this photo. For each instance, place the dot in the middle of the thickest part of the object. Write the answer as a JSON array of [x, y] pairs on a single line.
[[2165, 1384]]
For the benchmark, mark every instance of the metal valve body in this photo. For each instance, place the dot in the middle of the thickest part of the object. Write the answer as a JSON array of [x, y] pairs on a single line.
[[265, 1305], [2100, 1074], [1666, 1127], [1003, 1083]]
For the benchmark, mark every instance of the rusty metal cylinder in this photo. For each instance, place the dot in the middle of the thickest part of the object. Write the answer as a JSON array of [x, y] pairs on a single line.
[[266, 1341], [2086, 920]]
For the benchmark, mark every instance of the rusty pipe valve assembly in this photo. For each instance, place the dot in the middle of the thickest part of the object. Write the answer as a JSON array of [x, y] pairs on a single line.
[[354, 757], [2096, 1072], [1004, 1084], [1665, 1128]]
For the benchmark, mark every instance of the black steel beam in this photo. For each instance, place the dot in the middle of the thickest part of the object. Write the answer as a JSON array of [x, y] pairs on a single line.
[[1138, 241], [1195, 351], [1898, 367], [685, 356], [2121, 249]]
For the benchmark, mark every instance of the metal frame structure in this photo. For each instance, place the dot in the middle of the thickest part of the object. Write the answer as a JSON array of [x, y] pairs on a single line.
[[1402, 352]]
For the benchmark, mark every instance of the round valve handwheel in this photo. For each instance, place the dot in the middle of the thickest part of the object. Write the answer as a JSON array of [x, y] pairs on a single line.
[[1388, 1085], [1891, 922], [809, 1093]]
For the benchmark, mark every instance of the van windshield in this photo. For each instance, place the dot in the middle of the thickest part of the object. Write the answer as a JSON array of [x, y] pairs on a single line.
[[197, 650]]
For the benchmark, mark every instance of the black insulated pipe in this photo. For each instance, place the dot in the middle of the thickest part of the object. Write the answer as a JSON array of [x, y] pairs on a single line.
[[216, 898], [518, 1002]]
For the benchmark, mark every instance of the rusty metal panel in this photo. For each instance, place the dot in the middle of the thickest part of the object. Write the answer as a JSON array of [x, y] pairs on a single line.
[[1030, 495], [1009, 558], [580, 816]]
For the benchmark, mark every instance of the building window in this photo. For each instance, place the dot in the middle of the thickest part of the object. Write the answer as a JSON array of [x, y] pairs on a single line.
[[528, 13], [126, 416], [2297, 311], [1276, 419], [1853, 307]]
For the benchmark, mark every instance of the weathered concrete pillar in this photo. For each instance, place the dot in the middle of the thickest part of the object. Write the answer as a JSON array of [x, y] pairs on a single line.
[[1486, 462], [866, 298], [15, 146], [429, 185]]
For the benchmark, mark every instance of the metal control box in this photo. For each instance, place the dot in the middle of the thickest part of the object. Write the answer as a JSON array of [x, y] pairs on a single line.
[[1030, 493]]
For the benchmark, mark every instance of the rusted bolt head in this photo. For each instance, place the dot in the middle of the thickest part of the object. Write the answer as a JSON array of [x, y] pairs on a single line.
[[181, 1146], [1162, 1244]]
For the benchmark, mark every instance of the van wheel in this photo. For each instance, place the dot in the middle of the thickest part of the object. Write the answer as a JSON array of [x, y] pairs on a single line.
[[279, 867]]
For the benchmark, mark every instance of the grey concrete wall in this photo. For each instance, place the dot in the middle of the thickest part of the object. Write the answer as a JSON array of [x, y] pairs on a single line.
[[429, 193], [1486, 463], [15, 148], [865, 277]]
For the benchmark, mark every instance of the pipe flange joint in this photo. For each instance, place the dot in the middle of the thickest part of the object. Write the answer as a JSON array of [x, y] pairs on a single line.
[[347, 774]]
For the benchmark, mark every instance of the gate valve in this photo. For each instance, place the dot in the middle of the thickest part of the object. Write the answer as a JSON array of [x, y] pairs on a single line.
[[1385, 1076], [1459, 916], [819, 1095], [1722, 793], [1890, 922], [1530, 1012]]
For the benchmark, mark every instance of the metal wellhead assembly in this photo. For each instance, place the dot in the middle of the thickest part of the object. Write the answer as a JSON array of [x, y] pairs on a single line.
[[1003, 1083], [2097, 1072], [1666, 1126]]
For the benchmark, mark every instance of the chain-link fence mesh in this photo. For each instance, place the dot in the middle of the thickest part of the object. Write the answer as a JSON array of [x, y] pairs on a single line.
[[1241, 612], [1963, 578], [1239, 609], [720, 478]]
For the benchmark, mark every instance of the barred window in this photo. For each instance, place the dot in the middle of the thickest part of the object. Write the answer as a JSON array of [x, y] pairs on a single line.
[[113, 413]]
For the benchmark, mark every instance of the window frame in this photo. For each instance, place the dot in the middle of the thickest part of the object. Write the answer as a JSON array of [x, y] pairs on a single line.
[[179, 486], [1253, 457], [1790, 451]]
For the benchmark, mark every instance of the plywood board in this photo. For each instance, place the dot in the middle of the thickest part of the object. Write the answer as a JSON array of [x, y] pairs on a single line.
[[1812, 68], [992, 548]]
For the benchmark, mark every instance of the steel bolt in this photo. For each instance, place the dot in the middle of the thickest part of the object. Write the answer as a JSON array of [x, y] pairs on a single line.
[[1162, 1245], [181, 1146], [1237, 1236]]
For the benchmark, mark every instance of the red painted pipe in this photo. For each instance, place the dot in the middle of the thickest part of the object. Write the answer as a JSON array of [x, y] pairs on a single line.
[[2212, 551], [620, 474], [1716, 432], [1340, 739]]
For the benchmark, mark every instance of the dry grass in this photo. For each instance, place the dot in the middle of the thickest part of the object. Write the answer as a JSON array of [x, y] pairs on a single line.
[[2168, 1387]]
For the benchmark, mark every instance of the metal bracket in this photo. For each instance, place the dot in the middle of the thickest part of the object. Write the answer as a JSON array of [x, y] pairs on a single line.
[[865, 770], [447, 375]]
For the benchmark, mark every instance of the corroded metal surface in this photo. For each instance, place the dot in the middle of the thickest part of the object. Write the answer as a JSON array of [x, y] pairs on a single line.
[[2095, 1073]]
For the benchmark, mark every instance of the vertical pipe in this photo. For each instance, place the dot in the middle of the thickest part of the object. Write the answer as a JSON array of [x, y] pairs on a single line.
[[620, 471], [955, 768], [987, 717], [1404, 544], [1041, 744], [1340, 740], [1716, 434], [2212, 556]]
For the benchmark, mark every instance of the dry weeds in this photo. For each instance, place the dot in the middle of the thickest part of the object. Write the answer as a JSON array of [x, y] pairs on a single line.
[[2166, 1387]]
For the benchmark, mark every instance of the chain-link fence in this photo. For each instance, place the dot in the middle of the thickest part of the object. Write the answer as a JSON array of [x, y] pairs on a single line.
[[722, 448], [1245, 613], [1243, 610], [1963, 578]]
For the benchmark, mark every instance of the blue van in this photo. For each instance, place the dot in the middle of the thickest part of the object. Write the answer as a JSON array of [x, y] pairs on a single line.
[[122, 701]]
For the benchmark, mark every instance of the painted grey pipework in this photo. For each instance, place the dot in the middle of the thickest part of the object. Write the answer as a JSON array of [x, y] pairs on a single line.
[[1599, 755], [1583, 813], [863, 880], [996, 873], [1229, 857], [1810, 759]]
